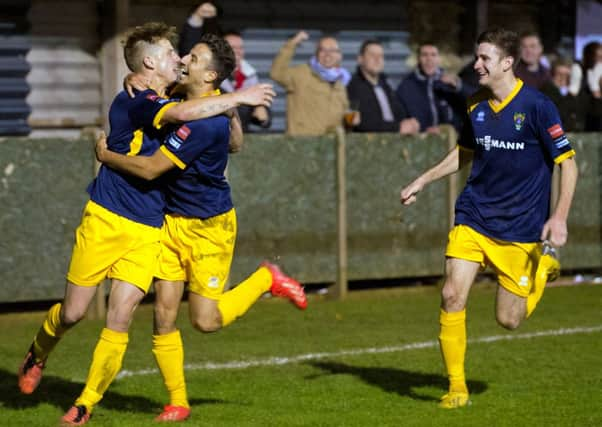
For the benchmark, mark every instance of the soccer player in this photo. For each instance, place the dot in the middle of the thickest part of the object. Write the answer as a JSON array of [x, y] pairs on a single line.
[[120, 229], [198, 238], [514, 137]]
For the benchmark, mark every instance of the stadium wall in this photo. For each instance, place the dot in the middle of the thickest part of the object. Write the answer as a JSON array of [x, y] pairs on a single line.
[[285, 191]]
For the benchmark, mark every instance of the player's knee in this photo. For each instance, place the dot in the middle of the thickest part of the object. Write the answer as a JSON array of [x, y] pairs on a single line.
[[206, 324], [451, 297], [72, 315], [508, 321]]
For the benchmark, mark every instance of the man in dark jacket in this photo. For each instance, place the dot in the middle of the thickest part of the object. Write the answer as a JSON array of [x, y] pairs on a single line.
[[571, 107], [370, 93], [430, 95]]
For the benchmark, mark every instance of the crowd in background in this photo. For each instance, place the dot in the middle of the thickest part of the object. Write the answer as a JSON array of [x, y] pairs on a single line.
[[322, 95]]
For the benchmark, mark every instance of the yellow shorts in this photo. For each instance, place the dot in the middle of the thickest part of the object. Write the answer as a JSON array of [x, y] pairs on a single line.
[[198, 251], [109, 245], [514, 263]]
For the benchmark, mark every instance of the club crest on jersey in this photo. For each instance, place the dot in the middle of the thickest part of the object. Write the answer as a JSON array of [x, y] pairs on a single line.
[[519, 120], [480, 116]]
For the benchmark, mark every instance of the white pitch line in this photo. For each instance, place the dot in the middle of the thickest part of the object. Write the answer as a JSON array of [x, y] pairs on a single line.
[[286, 360]]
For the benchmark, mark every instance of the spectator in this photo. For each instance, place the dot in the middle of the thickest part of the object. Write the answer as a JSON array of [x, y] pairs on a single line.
[[592, 69], [430, 95], [570, 107], [578, 83], [530, 68], [379, 108], [244, 76], [316, 97], [203, 19]]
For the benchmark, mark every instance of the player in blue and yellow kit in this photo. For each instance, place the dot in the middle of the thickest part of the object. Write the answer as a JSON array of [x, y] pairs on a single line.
[[200, 226], [514, 138], [120, 229]]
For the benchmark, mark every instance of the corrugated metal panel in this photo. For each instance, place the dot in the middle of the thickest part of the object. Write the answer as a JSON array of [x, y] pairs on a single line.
[[13, 87], [65, 75]]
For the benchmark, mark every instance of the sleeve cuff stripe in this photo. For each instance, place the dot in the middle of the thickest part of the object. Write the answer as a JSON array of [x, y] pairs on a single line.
[[564, 156], [171, 156], [157, 120]]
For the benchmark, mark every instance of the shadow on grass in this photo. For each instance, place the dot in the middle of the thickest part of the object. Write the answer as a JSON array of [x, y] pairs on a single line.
[[62, 393], [395, 380]]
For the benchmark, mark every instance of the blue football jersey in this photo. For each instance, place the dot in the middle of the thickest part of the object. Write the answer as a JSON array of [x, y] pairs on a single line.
[[515, 145], [198, 189], [135, 130]]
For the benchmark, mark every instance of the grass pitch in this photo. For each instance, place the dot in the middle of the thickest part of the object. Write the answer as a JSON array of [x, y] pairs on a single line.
[[371, 360]]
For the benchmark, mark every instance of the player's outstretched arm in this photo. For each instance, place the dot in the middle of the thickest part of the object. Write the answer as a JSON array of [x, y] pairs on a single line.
[[555, 228], [261, 94], [194, 109], [145, 167], [451, 163]]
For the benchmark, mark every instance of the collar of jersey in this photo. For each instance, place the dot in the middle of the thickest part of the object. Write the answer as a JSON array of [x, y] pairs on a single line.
[[497, 108], [211, 93]]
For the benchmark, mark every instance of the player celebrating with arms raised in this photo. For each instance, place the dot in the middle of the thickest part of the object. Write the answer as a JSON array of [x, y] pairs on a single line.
[[514, 137]]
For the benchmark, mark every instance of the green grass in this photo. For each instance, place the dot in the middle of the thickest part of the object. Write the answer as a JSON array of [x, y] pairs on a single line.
[[541, 381]]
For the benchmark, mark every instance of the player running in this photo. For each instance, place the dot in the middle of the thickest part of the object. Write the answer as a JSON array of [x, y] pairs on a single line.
[[514, 137]]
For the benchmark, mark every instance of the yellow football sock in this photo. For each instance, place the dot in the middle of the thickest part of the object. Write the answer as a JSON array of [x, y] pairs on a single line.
[[453, 347], [106, 363], [169, 354], [49, 334], [237, 301]]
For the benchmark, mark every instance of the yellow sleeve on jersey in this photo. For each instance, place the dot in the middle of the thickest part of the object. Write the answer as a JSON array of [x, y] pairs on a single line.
[[171, 156], [157, 120]]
